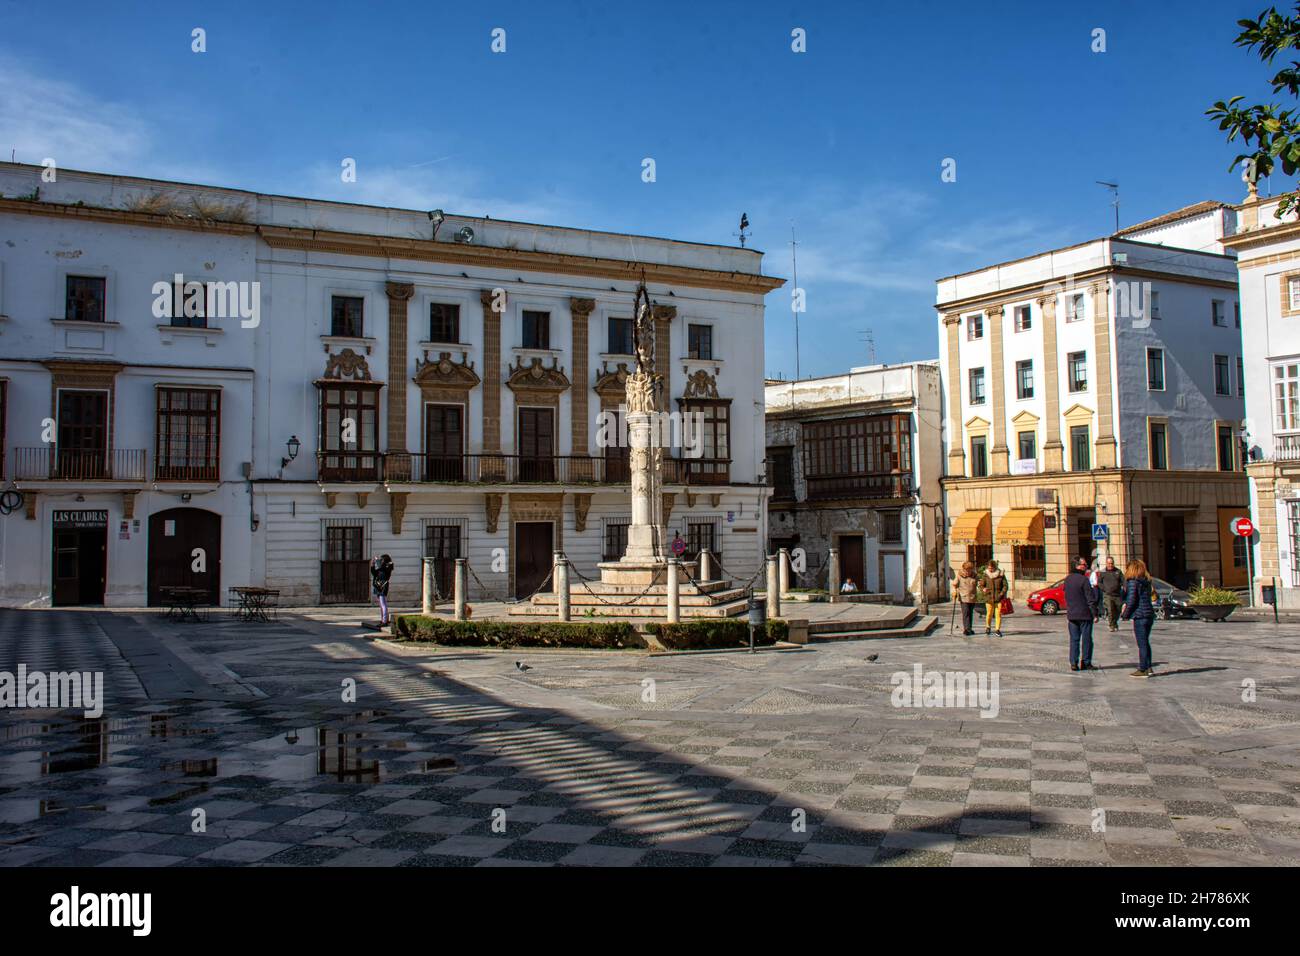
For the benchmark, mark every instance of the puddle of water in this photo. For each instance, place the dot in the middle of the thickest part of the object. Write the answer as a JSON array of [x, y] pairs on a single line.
[[179, 795]]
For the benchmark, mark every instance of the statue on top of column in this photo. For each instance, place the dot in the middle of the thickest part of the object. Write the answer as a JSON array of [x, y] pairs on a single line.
[[641, 383]]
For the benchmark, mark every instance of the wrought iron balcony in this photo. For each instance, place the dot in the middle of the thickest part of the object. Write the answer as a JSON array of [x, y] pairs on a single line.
[[51, 463], [198, 470], [399, 467]]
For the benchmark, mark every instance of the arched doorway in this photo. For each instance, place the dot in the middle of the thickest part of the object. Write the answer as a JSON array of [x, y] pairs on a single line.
[[175, 536]]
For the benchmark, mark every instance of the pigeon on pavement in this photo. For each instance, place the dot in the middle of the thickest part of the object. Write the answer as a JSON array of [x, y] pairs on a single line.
[[520, 665], [872, 657]]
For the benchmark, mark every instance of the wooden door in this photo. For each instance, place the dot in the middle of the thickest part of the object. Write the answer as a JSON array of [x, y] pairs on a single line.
[[1232, 549], [536, 444], [852, 566], [184, 551], [534, 544], [443, 443], [80, 566], [82, 440]]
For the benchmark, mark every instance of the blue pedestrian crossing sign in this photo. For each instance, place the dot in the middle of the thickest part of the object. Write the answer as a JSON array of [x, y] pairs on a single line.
[[1100, 532]]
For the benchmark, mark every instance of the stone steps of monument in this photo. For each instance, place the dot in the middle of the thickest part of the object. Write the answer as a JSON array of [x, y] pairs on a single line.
[[656, 612], [902, 617], [919, 627], [580, 596]]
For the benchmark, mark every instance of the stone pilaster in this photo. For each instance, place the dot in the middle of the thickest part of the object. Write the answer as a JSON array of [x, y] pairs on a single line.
[[956, 442], [1105, 444], [580, 423], [997, 385], [1264, 476], [1053, 449], [494, 305], [399, 297]]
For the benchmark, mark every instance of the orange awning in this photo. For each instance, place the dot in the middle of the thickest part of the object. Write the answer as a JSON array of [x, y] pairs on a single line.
[[1021, 526], [972, 527]]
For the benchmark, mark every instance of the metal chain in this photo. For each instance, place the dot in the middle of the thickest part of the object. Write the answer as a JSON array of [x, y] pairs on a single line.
[[586, 583]]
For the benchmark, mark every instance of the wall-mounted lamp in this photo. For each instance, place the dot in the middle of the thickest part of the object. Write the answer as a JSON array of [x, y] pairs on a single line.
[[436, 217], [293, 445]]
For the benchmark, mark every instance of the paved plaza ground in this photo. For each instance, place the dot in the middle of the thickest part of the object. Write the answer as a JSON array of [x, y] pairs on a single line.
[[785, 757]]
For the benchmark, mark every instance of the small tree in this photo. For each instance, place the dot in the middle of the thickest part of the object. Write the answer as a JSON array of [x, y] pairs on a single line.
[[1270, 132]]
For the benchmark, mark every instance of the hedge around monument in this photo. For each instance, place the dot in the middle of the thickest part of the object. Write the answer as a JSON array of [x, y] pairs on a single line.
[[607, 635], [716, 634]]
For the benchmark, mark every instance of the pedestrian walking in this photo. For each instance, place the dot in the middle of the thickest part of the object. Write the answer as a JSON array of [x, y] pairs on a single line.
[[1110, 582], [992, 589], [1139, 609], [381, 572], [1080, 612], [967, 595]]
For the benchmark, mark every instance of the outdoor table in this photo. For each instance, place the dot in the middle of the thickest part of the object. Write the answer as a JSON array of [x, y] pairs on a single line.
[[184, 602], [255, 604]]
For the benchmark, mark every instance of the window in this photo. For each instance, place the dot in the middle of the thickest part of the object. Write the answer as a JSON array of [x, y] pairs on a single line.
[[1078, 369], [1236, 314], [1027, 446], [1293, 522], [1227, 448], [81, 445], [620, 336], [347, 316], [781, 461], [977, 386], [349, 412], [891, 527], [86, 298], [1286, 398], [1293, 293], [537, 329], [1241, 378], [714, 422], [1222, 376], [1023, 319], [188, 436], [1155, 304], [699, 341], [444, 322], [974, 327], [1080, 459], [1158, 438], [1074, 307], [189, 304], [615, 538], [1030, 562], [618, 454], [1155, 370], [866, 456], [1217, 316], [1025, 379], [701, 535], [979, 458], [442, 544]]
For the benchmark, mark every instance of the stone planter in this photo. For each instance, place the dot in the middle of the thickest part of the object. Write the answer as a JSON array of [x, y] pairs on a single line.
[[1213, 612]]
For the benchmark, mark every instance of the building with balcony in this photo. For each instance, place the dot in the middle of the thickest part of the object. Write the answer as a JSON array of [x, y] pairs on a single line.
[[1268, 263], [1098, 388], [334, 381], [855, 462]]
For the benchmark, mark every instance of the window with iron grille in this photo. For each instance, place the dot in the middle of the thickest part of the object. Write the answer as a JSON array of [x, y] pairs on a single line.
[[1030, 562], [86, 296], [702, 534], [188, 436], [615, 535], [345, 561], [537, 329], [443, 540], [891, 527], [444, 322], [347, 316]]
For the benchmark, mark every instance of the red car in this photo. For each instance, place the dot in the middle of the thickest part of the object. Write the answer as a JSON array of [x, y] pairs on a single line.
[[1048, 600]]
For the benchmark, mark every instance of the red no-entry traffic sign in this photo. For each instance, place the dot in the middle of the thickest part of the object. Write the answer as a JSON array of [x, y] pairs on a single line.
[[1242, 527]]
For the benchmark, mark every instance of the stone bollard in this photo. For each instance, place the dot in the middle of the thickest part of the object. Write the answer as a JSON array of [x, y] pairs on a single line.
[[428, 601], [784, 571], [706, 565], [833, 577], [773, 587], [556, 557], [562, 585], [461, 587], [674, 592]]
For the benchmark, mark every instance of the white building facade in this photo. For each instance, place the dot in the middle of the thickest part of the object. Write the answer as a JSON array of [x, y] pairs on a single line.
[[855, 462], [364, 385]]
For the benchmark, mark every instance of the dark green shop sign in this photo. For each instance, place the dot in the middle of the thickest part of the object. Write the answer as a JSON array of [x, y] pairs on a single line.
[[81, 519]]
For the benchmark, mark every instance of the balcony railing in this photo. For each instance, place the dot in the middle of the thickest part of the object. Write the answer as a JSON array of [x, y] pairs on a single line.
[[51, 463], [1286, 447], [859, 486], [509, 469], [186, 471]]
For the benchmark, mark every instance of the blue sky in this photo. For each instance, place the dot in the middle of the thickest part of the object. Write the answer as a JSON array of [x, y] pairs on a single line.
[[845, 140]]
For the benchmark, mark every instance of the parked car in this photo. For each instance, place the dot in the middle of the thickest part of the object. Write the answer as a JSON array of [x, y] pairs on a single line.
[[1172, 601]]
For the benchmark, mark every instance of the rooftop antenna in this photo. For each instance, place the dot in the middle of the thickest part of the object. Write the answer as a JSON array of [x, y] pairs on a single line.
[[1114, 188], [744, 224], [868, 337], [794, 262]]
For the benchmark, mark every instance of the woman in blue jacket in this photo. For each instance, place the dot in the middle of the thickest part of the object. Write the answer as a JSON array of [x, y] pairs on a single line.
[[1139, 609]]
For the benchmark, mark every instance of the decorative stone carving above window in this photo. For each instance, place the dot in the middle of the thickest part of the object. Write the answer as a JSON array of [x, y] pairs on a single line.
[[537, 381], [701, 384], [611, 385], [347, 366], [444, 375]]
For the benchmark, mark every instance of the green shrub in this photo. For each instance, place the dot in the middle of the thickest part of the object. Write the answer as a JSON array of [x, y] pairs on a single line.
[[612, 635], [723, 632], [1213, 595]]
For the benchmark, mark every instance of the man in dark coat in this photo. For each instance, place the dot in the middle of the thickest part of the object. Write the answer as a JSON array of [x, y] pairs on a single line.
[[1080, 611], [1110, 582]]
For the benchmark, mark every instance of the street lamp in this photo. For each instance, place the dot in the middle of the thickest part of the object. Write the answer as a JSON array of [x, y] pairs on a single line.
[[293, 445]]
